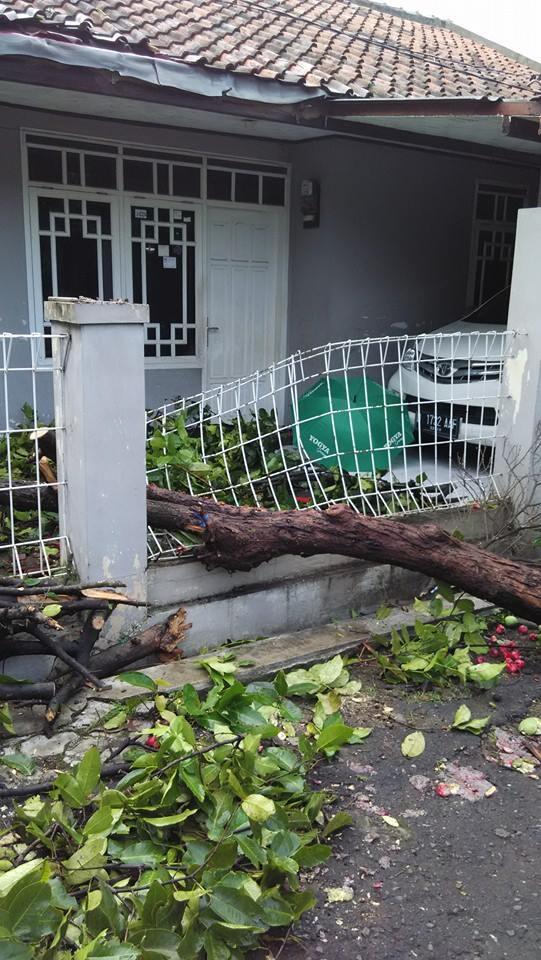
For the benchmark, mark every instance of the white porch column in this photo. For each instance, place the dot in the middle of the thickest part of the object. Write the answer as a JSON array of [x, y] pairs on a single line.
[[100, 397], [518, 457]]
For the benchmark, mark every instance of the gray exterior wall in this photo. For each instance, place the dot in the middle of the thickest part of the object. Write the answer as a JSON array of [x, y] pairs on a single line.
[[393, 246], [161, 384], [394, 241]]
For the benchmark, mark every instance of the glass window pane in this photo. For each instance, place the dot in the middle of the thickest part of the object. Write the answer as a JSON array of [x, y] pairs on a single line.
[[163, 178], [46, 206], [274, 191], [77, 266], [44, 165], [107, 265], [46, 272], [137, 269], [73, 168], [102, 212], [218, 185], [138, 176], [100, 171], [246, 188], [186, 349], [186, 181], [485, 206]]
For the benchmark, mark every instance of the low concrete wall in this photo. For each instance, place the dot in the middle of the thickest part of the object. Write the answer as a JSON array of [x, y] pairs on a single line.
[[291, 593]]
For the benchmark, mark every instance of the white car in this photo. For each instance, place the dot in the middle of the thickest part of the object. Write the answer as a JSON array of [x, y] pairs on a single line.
[[450, 379]]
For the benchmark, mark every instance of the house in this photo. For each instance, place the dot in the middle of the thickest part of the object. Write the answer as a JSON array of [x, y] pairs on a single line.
[[265, 175]]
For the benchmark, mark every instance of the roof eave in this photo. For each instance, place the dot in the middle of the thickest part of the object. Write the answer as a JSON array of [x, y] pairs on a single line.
[[353, 108]]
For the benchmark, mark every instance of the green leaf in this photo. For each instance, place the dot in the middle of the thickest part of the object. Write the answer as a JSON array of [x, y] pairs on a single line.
[[258, 808], [485, 675], [170, 820], [383, 612], [51, 610], [448, 593], [326, 674], [359, 734], [111, 949], [19, 762], [333, 737], [15, 951], [338, 822], [117, 719], [86, 860], [462, 715], [391, 821], [5, 718], [142, 852], [463, 721], [530, 726], [312, 855], [22, 872], [138, 680], [413, 745], [236, 907], [216, 949], [30, 914], [159, 944], [88, 771]]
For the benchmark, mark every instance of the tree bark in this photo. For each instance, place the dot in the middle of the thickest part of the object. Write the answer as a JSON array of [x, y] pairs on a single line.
[[240, 538]]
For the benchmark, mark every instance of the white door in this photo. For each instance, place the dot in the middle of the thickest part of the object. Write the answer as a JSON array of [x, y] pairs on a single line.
[[242, 277]]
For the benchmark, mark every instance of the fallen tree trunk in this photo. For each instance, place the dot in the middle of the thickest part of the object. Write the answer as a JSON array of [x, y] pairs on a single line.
[[240, 538]]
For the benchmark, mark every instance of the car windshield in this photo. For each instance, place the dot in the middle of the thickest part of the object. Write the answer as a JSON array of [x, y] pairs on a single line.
[[493, 311]]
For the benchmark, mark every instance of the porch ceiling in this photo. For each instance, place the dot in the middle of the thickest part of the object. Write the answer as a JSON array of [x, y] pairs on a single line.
[[488, 131], [114, 107]]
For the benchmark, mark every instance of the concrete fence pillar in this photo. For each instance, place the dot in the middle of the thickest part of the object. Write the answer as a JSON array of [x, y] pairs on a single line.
[[100, 398], [518, 455]]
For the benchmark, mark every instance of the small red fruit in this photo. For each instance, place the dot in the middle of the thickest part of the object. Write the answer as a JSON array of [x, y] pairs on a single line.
[[511, 667], [520, 664], [152, 742], [442, 790], [532, 636], [522, 628], [494, 652], [500, 629], [481, 660], [493, 639]]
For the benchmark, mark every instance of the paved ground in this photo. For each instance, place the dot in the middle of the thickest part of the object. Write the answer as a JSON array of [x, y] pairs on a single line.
[[448, 877], [456, 878]]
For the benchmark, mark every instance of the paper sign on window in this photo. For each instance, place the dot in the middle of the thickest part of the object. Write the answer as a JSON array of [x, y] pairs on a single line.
[[169, 263]]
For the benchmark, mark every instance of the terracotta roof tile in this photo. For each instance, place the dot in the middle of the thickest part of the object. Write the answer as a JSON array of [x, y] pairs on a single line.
[[346, 46]]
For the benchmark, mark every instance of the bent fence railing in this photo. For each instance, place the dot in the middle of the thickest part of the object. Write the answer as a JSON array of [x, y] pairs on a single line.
[[30, 542], [390, 425]]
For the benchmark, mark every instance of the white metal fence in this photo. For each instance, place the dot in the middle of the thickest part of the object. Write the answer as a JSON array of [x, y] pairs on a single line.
[[389, 425], [30, 543]]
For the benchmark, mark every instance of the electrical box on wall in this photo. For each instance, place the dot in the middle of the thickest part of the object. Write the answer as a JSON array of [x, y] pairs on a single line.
[[310, 203]]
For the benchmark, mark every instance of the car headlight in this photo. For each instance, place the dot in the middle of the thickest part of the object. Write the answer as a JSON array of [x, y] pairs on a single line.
[[409, 358]]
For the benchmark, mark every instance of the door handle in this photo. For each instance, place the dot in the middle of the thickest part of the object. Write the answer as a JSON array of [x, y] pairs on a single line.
[[211, 330]]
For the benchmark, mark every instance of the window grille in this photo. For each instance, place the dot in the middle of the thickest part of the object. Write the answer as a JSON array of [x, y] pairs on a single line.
[[496, 210], [163, 260]]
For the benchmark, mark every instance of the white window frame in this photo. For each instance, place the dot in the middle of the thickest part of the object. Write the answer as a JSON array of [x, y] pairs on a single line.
[[124, 199]]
